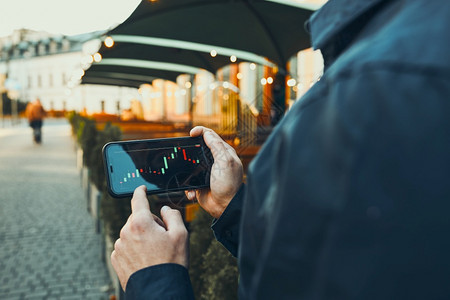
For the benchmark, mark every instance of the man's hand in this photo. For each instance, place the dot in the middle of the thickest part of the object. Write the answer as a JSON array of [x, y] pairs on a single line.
[[145, 240], [226, 174]]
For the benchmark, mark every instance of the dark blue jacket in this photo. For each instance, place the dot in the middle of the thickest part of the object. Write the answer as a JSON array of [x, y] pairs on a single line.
[[349, 198]]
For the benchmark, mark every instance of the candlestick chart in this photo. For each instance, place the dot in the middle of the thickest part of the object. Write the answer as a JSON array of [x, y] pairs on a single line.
[[160, 161], [164, 167]]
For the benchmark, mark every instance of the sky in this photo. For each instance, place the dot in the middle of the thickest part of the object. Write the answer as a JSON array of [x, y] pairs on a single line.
[[63, 16]]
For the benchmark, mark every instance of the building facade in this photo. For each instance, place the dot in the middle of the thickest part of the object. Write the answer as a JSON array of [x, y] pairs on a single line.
[[40, 65]]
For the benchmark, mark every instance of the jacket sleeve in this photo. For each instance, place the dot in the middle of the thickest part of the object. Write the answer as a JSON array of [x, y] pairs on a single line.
[[226, 228], [165, 281]]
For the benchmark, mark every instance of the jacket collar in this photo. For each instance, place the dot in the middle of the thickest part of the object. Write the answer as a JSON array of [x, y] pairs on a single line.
[[329, 22]]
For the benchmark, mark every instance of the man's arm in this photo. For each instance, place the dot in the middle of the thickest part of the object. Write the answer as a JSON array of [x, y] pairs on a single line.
[[165, 281], [226, 228]]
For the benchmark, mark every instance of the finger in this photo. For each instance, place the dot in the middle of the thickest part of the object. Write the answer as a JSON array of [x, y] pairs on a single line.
[[139, 201], [216, 144], [197, 131], [173, 220], [122, 233], [201, 130], [159, 221], [190, 194]]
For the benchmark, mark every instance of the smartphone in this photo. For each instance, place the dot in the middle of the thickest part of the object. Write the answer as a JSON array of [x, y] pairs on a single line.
[[162, 165]]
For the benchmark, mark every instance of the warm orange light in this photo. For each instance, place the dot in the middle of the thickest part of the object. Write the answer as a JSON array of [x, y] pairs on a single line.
[[188, 85], [109, 42]]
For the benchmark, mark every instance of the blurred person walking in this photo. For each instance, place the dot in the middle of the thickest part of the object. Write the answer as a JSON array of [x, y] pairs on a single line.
[[35, 114]]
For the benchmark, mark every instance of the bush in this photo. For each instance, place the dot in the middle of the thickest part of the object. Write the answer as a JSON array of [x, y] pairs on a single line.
[[213, 270], [97, 172], [220, 273], [87, 138]]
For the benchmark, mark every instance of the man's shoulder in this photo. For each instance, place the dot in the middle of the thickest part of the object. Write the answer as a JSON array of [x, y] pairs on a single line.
[[400, 36]]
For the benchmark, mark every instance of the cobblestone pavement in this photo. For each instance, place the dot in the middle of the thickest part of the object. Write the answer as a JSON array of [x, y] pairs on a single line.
[[48, 245]]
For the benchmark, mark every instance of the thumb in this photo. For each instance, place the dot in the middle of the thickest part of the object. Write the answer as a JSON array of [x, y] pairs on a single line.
[[173, 220]]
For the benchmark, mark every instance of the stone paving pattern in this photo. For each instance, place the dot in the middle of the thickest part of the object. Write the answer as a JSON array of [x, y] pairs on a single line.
[[48, 245]]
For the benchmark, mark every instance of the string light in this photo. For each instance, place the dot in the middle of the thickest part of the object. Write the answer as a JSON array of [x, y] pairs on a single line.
[[97, 57], [109, 42], [213, 53], [291, 82]]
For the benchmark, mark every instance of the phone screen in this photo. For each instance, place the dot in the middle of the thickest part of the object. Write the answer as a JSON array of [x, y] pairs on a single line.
[[162, 165]]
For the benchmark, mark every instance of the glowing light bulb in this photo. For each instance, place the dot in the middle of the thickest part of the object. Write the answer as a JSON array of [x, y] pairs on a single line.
[[213, 53], [270, 80], [263, 81], [97, 57], [109, 42], [291, 82], [239, 76], [188, 85], [233, 58], [252, 66]]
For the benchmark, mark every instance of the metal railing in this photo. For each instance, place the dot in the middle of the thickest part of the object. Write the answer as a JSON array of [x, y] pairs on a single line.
[[233, 119]]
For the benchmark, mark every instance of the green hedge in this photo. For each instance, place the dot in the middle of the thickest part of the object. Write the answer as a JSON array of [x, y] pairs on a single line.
[[213, 270], [114, 212]]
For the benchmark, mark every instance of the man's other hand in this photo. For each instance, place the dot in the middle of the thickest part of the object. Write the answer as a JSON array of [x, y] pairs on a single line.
[[226, 174], [145, 240]]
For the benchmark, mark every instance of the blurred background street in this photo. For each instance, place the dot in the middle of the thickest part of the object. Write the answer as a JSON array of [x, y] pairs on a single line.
[[49, 248]]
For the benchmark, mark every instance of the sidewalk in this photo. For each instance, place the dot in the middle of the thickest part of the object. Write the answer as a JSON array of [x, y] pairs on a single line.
[[48, 245]]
